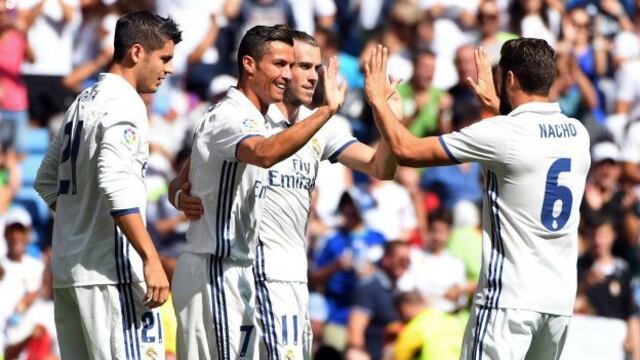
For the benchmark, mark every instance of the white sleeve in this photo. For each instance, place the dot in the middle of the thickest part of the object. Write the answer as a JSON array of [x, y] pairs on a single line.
[[631, 144], [483, 142], [231, 130], [117, 144], [336, 137], [624, 82], [46, 183]]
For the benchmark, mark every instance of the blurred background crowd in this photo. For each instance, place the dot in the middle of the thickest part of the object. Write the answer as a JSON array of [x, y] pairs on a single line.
[[393, 264]]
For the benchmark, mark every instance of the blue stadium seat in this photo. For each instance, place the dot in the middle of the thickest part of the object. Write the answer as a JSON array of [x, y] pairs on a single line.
[[29, 167], [34, 141], [28, 198]]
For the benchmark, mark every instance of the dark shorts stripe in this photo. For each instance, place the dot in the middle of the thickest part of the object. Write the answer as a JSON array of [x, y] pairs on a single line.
[[215, 307]]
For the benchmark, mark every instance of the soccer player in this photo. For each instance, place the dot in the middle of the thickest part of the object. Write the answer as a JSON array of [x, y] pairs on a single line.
[[213, 283], [93, 177], [281, 263], [535, 161]]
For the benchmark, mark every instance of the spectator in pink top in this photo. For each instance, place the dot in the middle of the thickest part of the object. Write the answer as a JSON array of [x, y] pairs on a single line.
[[13, 92]]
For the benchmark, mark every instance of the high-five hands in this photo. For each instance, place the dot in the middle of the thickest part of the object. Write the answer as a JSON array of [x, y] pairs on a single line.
[[377, 85], [334, 92], [484, 88]]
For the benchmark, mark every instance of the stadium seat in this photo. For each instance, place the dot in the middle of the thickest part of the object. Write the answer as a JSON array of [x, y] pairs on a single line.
[[29, 167], [34, 141]]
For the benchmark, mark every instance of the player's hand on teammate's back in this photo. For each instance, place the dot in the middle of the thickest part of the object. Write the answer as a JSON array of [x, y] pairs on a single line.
[[157, 283], [484, 88], [334, 92], [190, 205]]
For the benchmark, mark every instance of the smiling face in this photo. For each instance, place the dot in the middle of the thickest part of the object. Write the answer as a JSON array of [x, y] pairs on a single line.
[[270, 75], [304, 74], [153, 66]]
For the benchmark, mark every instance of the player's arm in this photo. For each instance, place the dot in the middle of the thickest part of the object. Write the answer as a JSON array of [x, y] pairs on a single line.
[[407, 149], [114, 171], [46, 183], [180, 196], [379, 162], [265, 152]]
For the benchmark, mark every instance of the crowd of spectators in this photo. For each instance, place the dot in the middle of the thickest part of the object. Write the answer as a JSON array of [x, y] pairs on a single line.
[[393, 265]]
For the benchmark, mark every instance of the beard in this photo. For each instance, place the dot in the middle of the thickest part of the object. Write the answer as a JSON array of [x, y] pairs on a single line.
[[505, 105]]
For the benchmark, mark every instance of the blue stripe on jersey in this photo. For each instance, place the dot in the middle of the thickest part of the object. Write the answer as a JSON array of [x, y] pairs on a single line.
[[225, 320], [123, 212], [232, 184], [126, 301], [447, 150], [121, 293], [334, 157], [129, 289], [266, 315], [266, 335], [267, 297], [500, 241], [215, 308], [219, 218], [495, 267]]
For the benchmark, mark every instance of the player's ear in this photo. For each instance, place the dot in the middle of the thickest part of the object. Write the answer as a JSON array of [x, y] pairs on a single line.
[[249, 65], [511, 80], [137, 53]]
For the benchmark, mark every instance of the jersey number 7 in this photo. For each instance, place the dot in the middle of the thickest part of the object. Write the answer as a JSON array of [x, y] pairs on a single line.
[[70, 152]]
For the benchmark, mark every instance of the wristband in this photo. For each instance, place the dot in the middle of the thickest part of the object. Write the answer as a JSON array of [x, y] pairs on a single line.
[[176, 199]]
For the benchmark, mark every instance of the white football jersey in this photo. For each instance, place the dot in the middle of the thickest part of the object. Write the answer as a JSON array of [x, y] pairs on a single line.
[[231, 191], [288, 198], [535, 161], [94, 169]]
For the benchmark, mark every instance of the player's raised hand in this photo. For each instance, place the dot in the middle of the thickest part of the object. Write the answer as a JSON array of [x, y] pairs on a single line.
[[334, 92], [394, 99], [157, 284], [190, 205], [484, 88], [376, 82]]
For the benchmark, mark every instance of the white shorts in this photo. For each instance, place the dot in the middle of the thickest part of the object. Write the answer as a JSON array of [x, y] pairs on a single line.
[[107, 322], [283, 316], [511, 334], [214, 304]]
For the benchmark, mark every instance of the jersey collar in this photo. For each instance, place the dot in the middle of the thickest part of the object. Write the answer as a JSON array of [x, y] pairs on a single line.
[[536, 107], [245, 103], [117, 80]]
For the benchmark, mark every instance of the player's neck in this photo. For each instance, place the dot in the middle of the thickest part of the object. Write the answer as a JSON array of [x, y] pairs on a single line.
[[290, 111], [521, 98], [126, 73], [244, 88]]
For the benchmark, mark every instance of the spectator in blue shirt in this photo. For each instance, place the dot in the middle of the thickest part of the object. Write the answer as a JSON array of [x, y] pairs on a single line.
[[349, 253]]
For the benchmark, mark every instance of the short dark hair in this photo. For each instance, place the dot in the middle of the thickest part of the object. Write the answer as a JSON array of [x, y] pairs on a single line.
[[254, 43], [332, 38], [391, 246], [303, 37], [150, 30], [442, 215], [532, 61], [420, 52]]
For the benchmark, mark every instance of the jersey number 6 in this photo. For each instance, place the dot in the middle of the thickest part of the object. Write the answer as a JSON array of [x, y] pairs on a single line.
[[554, 216]]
